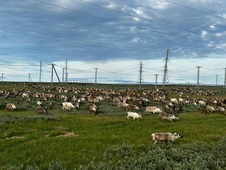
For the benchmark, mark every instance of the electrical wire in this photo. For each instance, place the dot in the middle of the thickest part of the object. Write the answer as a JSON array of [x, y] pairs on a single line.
[[145, 19], [87, 42], [122, 23], [113, 72], [195, 9]]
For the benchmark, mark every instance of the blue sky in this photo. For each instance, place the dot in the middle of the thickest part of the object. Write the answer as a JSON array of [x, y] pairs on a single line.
[[113, 36]]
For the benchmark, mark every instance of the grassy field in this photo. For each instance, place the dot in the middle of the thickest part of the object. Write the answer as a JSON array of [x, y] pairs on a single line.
[[80, 140]]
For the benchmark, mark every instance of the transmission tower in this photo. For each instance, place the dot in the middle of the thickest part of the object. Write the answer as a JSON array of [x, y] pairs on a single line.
[[198, 75], [165, 76], [29, 77], [2, 77], [140, 79]]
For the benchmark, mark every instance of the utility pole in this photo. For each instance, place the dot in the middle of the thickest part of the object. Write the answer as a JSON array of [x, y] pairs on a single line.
[[40, 72], [224, 77], [66, 72], [198, 73], [156, 80], [165, 76], [52, 74], [63, 75], [216, 79], [140, 74], [53, 69], [95, 82]]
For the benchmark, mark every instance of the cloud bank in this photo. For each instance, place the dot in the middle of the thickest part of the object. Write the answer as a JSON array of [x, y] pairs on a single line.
[[113, 36]]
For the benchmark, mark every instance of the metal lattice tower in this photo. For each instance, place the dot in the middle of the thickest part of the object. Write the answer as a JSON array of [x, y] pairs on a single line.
[[2, 77], [166, 76], [198, 76], [140, 78]]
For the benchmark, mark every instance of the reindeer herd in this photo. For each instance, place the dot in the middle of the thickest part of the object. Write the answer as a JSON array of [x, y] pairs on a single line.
[[167, 103]]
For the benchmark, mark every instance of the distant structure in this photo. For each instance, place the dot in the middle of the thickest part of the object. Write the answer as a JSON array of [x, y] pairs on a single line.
[[156, 80], [216, 79], [166, 76], [29, 77], [2, 77], [198, 75], [40, 71], [66, 72], [224, 77], [53, 69], [95, 81], [140, 78]]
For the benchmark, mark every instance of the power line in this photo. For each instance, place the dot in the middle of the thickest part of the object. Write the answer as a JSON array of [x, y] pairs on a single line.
[[19, 65], [124, 69], [209, 68], [195, 9], [142, 18], [115, 72], [91, 43], [124, 13], [40, 35], [88, 41]]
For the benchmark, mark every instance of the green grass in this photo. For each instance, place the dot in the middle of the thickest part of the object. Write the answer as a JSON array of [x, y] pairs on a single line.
[[42, 145]]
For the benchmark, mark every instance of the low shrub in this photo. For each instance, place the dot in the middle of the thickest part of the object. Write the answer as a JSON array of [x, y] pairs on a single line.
[[10, 118], [197, 155], [191, 108], [55, 165]]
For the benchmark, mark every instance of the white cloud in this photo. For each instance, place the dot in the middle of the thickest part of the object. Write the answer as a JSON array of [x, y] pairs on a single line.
[[204, 34], [221, 34], [206, 2], [111, 5], [213, 27], [223, 15], [137, 40], [64, 2], [160, 5], [221, 46], [70, 3]]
